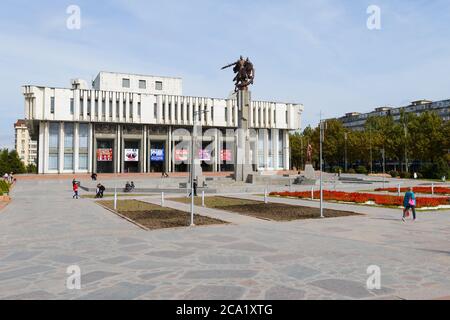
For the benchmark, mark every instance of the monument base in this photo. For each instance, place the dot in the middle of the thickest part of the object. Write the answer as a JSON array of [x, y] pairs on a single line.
[[310, 173]]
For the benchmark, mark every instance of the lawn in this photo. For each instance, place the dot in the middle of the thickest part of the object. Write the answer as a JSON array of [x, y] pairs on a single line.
[[111, 195], [154, 217], [270, 211]]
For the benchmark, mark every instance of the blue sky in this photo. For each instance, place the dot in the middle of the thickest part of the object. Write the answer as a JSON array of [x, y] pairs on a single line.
[[319, 53]]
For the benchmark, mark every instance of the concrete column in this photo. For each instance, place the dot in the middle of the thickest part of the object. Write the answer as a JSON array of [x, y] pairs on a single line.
[[275, 148], [166, 109], [144, 149], [61, 148], [76, 147], [43, 146], [266, 149], [170, 150], [118, 150], [286, 153], [127, 107], [90, 148], [76, 105]]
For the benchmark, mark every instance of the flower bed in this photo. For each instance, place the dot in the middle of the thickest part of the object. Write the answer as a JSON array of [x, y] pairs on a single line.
[[426, 190], [357, 197]]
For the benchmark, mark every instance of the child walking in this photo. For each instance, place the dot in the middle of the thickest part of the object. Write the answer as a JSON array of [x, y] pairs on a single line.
[[409, 203], [75, 190]]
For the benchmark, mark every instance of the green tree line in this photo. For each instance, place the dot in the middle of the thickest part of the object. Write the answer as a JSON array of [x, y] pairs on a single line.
[[414, 143], [10, 162]]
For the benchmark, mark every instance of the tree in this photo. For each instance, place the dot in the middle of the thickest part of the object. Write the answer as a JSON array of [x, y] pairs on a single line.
[[10, 162]]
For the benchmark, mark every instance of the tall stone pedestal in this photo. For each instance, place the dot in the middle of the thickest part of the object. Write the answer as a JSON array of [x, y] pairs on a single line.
[[310, 173], [243, 162]]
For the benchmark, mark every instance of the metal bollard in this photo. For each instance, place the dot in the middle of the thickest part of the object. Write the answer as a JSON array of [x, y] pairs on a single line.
[[432, 189], [399, 190], [312, 193], [203, 198], [266, 200], [162, 199]]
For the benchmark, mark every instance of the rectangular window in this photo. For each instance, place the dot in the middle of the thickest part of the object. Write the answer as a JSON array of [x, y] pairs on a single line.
[[81, 107], [176, 113], [53, 144], [212, 113], [270, 149], [89, 107], [125, 83], [142, 84], [83, 134], [52, 105], [280, 149], [139, 109], [71, 106], [68, 161], [164, 111], [117, 109], [155, 110], [188, 112], [226, 114], [110, 108], [261, 162], [182, 112], [131, 109], [158, 85], [96, 107], [104, 108], [124, 113]]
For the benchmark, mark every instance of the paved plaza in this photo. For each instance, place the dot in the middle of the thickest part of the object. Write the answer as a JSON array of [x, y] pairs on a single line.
[[43, 231]]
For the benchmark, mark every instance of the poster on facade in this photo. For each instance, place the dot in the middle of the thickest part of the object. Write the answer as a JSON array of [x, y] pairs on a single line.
[[204, 155], [225, 155], [181, 155], [131, 155], [157, 155], [104, 155]]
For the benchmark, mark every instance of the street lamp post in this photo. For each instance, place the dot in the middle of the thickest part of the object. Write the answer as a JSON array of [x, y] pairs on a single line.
[[193, 144], [321, 166], [345, 151], [383, 153]]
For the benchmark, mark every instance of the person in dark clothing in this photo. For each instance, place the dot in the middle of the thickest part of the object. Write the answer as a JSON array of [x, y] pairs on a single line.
[[195, 187], [100, 191], [94, 176]]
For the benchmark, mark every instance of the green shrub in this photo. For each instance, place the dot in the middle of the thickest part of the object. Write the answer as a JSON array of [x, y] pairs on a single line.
[[4, 186], [405, 175], [351, 171], [393, 173], [361, 170]]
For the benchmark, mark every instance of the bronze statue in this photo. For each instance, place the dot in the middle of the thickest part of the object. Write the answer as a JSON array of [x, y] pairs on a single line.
[[245, 73], [309, 152]]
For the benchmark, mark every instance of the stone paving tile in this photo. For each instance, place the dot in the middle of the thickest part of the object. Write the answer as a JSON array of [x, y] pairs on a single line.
[[21, 256], [299, 272], [347, 288], [22, 272], [117, 260], [210, 292], [120, 291], [219, 274], [284, 293], [224, 260], [34, 295], [96, 276]]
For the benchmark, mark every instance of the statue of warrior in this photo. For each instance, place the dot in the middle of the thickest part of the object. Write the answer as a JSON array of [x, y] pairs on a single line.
[[309, 152], [244, 71]]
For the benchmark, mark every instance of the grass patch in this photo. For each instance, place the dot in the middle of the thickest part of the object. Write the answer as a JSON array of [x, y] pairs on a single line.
[[156, 217], [124, 195], [270, 211]]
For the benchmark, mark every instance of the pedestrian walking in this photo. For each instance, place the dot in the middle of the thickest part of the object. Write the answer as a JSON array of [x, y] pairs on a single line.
[[75, 189], [409, 203]]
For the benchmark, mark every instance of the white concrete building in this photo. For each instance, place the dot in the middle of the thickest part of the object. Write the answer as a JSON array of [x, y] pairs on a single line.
[[137, 123], [24, 145]]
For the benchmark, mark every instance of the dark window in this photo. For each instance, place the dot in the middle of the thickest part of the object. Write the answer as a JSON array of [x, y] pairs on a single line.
[[158, 85], [142, 84], [125, 83], [52, 105]]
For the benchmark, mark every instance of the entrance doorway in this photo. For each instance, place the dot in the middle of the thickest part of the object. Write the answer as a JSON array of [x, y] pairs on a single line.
[[157, 156], [132, 155], [105, 159]]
